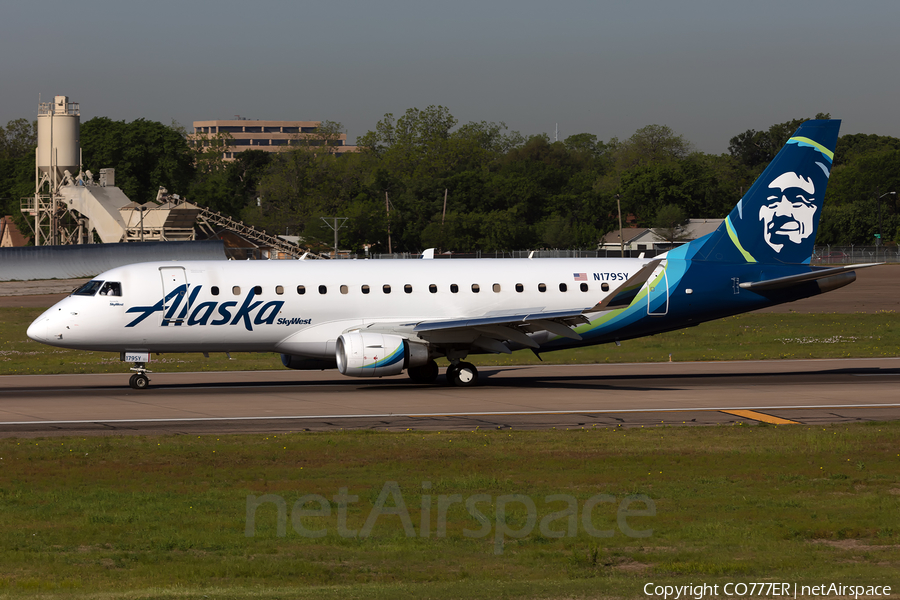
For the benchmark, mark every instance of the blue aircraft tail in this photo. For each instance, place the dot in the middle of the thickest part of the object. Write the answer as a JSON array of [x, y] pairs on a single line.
[[777, 219]]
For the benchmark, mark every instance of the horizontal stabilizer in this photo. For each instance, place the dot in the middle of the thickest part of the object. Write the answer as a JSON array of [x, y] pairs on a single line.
[[791, 280], [624, 294]]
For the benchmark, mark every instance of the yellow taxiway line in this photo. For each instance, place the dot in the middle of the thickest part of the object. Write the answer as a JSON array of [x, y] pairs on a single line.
[[758, 416]]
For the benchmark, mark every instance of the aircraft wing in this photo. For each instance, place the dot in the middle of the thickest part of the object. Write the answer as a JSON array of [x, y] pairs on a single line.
[[791, 280], [489, 333], [492, 332]]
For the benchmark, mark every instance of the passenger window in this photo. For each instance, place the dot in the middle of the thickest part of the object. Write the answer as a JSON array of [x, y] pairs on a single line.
[[386, 289], [563, 287], [279, 289], [323, 289], [257, 290], [497, 288], [475, 288], [454, 288], [88, 289], [111, 288], [604, 286], [520, 288], [344, 289], [236, 290], [214, 290], [432, 288], [365, 289], [584, 287], [542, 287], [301, 289], [407, 288]]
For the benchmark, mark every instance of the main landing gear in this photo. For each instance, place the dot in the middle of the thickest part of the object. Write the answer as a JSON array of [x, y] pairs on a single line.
[[427, 373], [462, 374], [459, 374], [139, 380]]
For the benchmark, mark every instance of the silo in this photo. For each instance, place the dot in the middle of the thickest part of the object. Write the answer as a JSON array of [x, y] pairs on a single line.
[[58, 133]]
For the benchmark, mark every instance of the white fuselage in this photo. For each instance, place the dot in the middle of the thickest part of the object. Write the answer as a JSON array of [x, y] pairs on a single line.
[[302, 307]]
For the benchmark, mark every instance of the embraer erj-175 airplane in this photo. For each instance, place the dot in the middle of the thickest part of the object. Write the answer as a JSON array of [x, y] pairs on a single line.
[[374, 318]]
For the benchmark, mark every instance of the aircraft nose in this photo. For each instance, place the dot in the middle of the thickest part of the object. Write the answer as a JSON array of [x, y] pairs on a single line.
[[38, 329]]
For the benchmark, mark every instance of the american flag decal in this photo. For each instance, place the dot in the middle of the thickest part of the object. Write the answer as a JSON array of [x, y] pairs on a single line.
[[580, 276]]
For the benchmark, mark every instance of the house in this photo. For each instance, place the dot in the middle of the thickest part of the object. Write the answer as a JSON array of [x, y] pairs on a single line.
[[642, 239], [10, 236], [612, 240]]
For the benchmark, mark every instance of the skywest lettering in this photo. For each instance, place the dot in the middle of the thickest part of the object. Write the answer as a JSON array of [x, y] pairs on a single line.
[[201, 314]]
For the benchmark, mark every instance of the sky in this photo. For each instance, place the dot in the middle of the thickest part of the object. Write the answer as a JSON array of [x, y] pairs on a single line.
[[708, 69]]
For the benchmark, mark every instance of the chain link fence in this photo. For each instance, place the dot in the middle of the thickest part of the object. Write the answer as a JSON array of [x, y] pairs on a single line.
[[845, 255], [823, 255]]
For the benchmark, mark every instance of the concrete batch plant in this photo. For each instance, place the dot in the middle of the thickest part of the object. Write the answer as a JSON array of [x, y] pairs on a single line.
[[70, 206]]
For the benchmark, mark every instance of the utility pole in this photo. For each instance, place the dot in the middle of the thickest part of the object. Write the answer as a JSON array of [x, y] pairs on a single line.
[[387, 210], [336, 227], [621, 237], [878, 240]]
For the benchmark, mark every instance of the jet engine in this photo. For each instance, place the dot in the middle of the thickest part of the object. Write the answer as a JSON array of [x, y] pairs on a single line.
[[369, 354]]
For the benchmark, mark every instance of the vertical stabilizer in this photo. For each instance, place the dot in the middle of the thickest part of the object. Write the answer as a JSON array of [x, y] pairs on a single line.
[[777, 219]]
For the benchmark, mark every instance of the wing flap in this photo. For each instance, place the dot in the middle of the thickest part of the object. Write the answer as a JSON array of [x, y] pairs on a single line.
[[492, 333], [573, 317]]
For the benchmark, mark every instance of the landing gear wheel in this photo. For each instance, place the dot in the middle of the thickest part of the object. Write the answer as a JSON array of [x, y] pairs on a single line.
[[426, 373], [452, 371], [462, 374], [139, 381]]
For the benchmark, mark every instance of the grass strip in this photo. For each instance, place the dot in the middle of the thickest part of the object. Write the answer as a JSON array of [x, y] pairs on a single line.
[[167, 516], [743, 337]]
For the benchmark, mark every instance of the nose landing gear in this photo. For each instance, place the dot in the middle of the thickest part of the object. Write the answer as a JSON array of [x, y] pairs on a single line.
[[139, 380]]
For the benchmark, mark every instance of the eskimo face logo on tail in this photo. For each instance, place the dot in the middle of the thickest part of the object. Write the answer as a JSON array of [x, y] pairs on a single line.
[[787, 215], [249, 313]]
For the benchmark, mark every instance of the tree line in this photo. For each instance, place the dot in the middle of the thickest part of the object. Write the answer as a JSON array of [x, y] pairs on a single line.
[[427, 181]]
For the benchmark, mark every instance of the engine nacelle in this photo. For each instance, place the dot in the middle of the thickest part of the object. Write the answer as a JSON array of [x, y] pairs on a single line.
[[370, 354], [302, 363]]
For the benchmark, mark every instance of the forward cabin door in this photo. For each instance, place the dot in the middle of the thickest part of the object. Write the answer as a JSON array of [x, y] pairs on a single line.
[[658, 292], [175, 297]]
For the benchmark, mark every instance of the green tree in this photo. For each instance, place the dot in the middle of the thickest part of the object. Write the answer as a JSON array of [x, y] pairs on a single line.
[[669, 223], [18, 139], [756, 149], [17, 143], [652, 144], [232, 185], [146, 155], [849, 147]]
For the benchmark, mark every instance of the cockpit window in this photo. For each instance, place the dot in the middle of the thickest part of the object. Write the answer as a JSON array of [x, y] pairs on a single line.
[[88, 289], [111, 288]]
